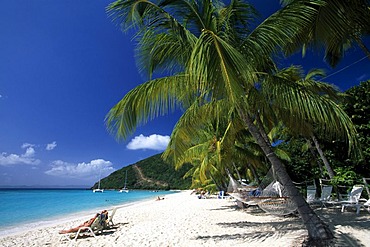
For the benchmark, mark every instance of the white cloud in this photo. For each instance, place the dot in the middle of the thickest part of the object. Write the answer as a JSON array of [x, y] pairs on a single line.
[[51, 146], [17, 159], [155, 142], [81, 170], [27, 145], [30, 152]]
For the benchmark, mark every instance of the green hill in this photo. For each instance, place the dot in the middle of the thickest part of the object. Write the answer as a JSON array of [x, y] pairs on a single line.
[[149, 174]]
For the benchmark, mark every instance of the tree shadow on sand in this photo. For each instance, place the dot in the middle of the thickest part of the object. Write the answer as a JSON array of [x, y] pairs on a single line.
[[338, 220], [261, 231], [253, 209]]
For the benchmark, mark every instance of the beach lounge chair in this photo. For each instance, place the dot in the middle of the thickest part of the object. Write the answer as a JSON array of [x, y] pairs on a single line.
[[367, 205], [96, 227], [72, 237], [110, 217], [353, 198], [367, 186], [325, 195], [311, 194], [324, 198]]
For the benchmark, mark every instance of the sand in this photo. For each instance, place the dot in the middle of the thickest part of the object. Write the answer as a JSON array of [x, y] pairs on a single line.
[[182, 219]]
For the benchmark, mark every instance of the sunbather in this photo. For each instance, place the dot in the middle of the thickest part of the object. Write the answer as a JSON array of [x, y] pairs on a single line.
[[88, 223]]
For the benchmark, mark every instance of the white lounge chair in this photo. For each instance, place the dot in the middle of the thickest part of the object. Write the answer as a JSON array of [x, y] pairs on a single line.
[[98, 225], [325, 195], [367, 205], [86, 230], [311, 194], [110, 217], [353, 198], [367, 186]]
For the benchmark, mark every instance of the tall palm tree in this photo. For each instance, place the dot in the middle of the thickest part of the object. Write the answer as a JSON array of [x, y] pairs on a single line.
[[210, 53]]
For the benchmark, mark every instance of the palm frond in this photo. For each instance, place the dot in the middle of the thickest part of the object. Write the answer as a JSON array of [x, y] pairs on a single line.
[[219, 68], [143, 103], [279, 30], [305, 105]]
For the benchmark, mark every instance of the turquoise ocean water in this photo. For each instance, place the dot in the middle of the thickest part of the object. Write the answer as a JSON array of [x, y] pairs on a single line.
[[31, 207]]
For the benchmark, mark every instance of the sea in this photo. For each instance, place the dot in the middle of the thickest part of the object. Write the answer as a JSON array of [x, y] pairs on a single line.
[[23, 209]]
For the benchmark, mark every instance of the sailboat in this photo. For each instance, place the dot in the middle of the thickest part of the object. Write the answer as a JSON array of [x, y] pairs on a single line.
[[98, 189], [124, 189]]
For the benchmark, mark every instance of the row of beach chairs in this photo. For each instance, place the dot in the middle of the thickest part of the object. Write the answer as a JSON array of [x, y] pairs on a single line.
[[352, 199]]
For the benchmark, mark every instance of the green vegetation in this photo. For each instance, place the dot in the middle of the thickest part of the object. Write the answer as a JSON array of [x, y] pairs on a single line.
[[148, 174], [223, 72], [349, 168]]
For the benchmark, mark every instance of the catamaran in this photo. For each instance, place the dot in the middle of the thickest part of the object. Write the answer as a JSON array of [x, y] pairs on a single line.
[[124, 189], [98, 189]]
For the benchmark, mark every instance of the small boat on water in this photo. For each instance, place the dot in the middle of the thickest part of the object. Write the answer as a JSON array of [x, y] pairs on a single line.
[[99, 190], [124, 189]]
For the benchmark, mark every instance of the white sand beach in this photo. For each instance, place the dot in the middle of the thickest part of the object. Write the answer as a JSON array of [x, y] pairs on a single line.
[[182, 219]]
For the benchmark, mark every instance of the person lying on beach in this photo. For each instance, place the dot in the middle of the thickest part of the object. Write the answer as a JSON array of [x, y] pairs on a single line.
[[88, 223], [158, 198]]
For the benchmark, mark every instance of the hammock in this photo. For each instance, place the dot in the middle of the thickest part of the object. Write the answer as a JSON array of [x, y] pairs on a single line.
[[270, 195], [276, 201], [242, 193]]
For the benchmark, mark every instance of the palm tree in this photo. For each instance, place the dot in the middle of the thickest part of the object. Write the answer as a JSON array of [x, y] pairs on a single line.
[[210, 54], [215, 142], [211, 143], [340, 122]]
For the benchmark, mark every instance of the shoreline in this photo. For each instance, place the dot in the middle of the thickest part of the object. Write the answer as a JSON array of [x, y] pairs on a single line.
[[181, 219], [79, 216]]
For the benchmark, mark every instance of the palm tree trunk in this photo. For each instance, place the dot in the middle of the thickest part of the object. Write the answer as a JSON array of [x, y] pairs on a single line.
[[262, 132], [318, 231], [255, 175], [326, 162], [312, 150], [237, 173]]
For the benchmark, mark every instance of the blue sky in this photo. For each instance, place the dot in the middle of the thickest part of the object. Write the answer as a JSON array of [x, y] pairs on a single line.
[[63, 65]]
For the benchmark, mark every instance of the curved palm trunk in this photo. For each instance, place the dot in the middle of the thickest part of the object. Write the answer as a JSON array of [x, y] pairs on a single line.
[[318, 231], [326, 162], [312, 150]]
